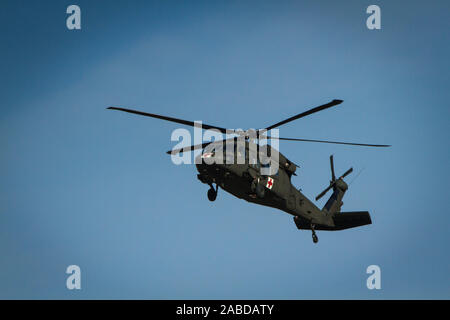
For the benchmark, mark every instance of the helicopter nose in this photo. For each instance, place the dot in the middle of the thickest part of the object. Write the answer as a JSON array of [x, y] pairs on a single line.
[[205, 160], [201, 166], [198, 160]]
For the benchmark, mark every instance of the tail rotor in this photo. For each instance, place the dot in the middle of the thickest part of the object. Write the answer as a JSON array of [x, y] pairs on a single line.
[[339, 182]]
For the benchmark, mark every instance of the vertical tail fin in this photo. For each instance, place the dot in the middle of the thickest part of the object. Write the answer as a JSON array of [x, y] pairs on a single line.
[[335, 202], [339, 187]]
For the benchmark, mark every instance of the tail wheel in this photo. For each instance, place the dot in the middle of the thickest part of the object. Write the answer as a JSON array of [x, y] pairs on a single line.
[[212, 194], [315, 238]]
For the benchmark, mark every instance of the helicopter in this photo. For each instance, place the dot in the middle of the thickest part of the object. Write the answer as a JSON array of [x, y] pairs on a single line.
[[247, 180]]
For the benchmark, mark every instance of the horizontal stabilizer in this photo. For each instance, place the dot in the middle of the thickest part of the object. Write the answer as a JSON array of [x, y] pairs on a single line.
[[346, 220], [343, 220]]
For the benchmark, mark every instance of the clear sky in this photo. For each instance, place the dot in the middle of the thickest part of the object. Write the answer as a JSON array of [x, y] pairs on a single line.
[[83, 185]]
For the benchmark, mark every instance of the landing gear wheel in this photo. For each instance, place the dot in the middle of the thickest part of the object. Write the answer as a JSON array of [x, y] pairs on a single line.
[[315, 239], [212, 194]]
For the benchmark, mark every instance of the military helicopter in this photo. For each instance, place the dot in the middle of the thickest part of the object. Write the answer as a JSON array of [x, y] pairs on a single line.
[[245, 180]]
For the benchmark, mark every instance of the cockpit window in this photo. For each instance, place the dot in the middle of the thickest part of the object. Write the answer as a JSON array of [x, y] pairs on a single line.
[[213, 148]]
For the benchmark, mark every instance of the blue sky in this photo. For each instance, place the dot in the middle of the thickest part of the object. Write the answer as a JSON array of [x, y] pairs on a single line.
[[86, 186]]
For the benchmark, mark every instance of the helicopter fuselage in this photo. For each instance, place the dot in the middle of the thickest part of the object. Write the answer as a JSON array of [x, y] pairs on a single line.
[[278, 192]]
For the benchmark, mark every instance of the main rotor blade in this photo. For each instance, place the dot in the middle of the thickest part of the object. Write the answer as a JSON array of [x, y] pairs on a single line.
[[196, 146], [333, 142], [307, 113], [180, 121], [188, 148]]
